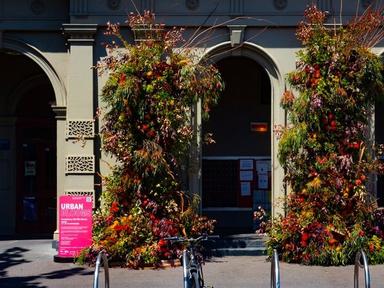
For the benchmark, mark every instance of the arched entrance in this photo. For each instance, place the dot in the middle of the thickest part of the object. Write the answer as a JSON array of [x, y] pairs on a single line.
[[27, 148], [379, 139], [236, 170]]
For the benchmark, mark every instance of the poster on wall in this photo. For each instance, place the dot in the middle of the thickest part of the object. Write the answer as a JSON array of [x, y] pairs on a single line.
[[29, 168], [262, 181], [246, 175], [29, 209], [262, 167], [245, 188], [75, 224], [246, 164]]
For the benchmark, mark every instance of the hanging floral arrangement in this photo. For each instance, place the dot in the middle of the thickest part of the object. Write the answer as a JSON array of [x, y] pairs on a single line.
[[326, 150], [149, 97]]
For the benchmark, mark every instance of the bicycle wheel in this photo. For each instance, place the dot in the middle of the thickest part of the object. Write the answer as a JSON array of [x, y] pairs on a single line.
[[195, 279]]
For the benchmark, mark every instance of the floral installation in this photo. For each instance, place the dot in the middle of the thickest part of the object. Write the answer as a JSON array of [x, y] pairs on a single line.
[[326, 151], [147, 127]]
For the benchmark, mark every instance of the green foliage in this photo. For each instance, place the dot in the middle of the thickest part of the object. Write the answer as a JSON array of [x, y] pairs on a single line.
[[325, 151], [147, 128]]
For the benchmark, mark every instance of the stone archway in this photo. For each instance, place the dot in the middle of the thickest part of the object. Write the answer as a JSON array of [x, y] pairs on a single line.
[[31, 91], [379, 138], [267, 68], [34, 54]]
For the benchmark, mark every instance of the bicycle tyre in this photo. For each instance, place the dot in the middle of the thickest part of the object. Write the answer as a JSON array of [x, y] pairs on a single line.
[[195, 280]]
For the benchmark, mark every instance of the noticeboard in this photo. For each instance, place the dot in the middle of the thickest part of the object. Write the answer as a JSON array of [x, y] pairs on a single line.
[[75, 224]]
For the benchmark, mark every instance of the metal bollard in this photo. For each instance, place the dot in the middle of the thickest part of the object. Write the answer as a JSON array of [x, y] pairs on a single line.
[[275, 270], [100, 257], [367, 277]]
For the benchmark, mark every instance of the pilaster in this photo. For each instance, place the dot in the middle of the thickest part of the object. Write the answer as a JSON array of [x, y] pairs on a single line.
[[61, 115], [79, 161]]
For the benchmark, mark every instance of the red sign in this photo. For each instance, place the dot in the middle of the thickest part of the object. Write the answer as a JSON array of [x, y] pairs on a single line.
[[75, 224]]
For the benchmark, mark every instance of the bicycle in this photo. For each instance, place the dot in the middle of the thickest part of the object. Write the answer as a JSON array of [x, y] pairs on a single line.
[[192, 262]]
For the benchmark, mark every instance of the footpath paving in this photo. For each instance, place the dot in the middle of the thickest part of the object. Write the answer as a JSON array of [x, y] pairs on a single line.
[[29, 263]]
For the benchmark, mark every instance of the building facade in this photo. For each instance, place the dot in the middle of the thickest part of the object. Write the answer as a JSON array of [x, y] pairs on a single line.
[[49, 143]]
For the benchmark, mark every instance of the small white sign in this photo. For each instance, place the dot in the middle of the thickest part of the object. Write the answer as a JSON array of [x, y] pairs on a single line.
[[245, 188], [29, 168], [263, 166], [246, 175], [246, 164], [262, 181]]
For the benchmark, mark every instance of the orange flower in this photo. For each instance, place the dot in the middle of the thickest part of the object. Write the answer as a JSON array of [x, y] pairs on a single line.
[[332, 241], [287, 98]]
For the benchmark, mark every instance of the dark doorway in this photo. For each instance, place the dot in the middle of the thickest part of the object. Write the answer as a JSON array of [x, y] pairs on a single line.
[[28, 97], [36, 163], [240, 125], [379, 137]]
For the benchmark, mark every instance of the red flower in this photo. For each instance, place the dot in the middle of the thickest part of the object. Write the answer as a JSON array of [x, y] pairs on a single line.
[[304, 239], [371, 247], [114, 207], [122, 79], [162, 243]]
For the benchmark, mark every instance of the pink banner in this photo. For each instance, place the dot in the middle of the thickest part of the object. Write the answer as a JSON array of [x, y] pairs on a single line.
[[75, 224]]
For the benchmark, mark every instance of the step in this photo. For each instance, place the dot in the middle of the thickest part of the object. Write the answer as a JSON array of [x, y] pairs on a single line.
[[240, 241], [237, 245], [251, 251]]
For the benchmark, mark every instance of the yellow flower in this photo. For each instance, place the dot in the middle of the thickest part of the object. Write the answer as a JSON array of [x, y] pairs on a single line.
[[125, 220], [183, 62], [115, 223], [315, 183], [307, 214]]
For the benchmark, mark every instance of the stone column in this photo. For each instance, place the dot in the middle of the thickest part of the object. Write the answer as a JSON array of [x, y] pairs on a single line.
[[79, 156], [60, 113], [195, 165]]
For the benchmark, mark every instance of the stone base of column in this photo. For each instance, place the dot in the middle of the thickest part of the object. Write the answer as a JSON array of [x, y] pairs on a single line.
[[59, 259]]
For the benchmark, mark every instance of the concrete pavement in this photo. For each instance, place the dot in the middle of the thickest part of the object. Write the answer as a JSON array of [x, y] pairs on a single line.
[[29, 263]]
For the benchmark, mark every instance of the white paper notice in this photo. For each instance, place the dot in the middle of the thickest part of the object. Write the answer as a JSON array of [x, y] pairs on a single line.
[[263, 166], [245, 188], [246, 164], [262, 181], [246, 175]]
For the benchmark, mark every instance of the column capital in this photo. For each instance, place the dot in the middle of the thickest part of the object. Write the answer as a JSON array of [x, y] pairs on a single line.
[[80, 32], [60, 112]]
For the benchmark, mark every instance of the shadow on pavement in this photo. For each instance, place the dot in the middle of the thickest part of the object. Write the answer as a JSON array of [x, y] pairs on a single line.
[[15, 256], [59, 274], [35, 281], [11, 257]]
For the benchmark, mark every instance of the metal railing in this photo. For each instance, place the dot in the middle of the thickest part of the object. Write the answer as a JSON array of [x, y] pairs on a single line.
[[101, 257], [367, 277], [275, 270]]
